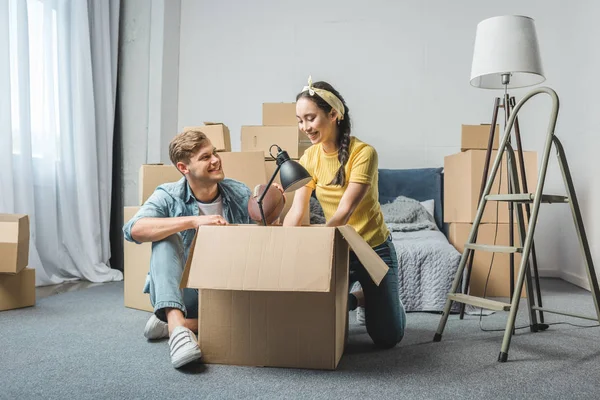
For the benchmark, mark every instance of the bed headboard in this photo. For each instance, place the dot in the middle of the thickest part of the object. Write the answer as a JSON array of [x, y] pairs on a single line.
[[420, 184]]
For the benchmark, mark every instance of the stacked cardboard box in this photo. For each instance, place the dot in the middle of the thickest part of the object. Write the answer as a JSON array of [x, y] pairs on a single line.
[[17, 282], [217, 133], [462, 184], [279, 127]]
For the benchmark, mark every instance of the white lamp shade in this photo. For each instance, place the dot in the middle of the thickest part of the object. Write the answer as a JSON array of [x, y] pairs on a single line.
[[506, 45]]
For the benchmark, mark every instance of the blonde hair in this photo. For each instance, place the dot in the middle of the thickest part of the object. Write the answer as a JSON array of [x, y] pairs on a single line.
[[185, 144]]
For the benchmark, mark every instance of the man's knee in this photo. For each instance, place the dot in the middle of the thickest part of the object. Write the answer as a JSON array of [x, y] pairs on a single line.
[[168, 251], [171, 243]]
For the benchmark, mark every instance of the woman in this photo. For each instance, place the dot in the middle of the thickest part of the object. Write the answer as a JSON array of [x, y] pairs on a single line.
[[344, 172]]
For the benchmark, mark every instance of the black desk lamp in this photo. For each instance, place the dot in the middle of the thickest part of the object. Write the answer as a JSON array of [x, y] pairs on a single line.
[[292, 175]]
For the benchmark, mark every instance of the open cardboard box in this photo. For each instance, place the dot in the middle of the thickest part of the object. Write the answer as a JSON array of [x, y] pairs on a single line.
[[275, 296]]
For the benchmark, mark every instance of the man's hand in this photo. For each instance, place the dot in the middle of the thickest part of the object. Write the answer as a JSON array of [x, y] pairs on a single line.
[[209, 220]]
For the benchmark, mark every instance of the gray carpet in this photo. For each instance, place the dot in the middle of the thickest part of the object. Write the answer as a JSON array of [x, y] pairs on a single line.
[[84, 344]]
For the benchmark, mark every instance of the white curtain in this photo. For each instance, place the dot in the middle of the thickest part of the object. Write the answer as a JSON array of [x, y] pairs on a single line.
[[58, 72]]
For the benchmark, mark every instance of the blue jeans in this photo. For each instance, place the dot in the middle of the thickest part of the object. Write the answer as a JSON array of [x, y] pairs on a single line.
[[166, 268], [384, 312]]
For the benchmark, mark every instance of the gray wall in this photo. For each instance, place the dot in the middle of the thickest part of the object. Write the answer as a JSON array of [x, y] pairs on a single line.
[[403, 68]]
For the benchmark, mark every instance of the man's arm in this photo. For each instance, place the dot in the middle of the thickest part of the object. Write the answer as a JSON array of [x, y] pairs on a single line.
[[154, 222], [155, 229]]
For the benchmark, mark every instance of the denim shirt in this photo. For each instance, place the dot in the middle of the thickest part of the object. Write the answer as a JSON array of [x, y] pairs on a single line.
[[177, 200]]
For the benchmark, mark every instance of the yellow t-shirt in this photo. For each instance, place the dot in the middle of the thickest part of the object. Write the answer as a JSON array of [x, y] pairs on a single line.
[[367, 218]]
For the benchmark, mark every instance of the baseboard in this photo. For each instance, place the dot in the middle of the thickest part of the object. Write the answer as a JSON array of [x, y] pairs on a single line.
[[548, 273], [575, 279]]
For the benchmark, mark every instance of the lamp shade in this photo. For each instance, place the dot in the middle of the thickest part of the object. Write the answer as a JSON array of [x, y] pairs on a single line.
[[293, 176], [506, 45]]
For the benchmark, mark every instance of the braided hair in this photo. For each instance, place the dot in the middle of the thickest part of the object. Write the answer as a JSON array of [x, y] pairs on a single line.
[[343, 129]]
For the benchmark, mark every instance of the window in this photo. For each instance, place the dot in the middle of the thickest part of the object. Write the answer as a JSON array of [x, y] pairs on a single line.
[[39, 43]]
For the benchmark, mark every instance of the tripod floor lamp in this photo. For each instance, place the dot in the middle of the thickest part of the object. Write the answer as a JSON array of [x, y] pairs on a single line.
[[506, 55]]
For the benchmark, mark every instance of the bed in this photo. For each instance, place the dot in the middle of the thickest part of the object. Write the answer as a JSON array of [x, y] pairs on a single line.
[[427, 262]]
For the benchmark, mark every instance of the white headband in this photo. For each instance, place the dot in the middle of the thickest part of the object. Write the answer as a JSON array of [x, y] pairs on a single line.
[[326, 95]]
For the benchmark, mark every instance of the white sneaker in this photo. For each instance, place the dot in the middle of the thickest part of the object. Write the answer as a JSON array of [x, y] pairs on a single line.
[[360, 316], [184, 347], [156, 329]]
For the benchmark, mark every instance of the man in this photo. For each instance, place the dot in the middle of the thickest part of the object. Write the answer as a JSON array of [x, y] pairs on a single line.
[[169, 219]]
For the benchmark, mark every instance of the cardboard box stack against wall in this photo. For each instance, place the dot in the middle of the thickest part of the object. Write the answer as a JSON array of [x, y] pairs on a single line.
[[17, 282], [462, 183], [280, 126]]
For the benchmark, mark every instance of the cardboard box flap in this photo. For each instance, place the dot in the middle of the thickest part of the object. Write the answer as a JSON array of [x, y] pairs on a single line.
[[256, 258], [367, 256]]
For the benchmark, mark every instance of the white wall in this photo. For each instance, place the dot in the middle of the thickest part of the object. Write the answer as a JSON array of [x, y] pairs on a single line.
[[580, 135], [403, 68]]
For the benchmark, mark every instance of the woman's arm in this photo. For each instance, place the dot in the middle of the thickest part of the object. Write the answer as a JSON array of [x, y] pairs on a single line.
[[351, 198], [155, 229], [299, 207]]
